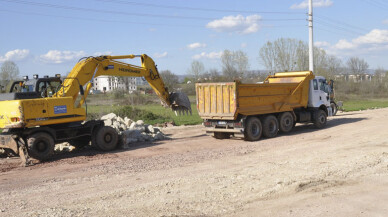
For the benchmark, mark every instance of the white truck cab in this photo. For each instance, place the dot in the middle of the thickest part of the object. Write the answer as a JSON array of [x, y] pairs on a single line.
[[319, 94]]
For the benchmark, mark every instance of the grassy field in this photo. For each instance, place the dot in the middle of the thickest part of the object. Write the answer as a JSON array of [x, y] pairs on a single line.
[[356, 105]]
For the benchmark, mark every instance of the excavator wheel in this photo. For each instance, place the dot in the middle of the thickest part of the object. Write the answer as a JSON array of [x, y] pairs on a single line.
[[270, 126], [40, 146], [286, 122], [253, 129], [105, 138]]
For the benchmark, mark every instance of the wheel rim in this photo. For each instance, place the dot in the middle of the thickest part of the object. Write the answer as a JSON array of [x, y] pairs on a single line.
[[41, 146], [255, 129], [322, 118], [108, 138], [272, 126], [287, 122]]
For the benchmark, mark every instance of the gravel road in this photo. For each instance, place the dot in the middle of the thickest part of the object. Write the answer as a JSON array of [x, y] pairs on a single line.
[[341, 170]]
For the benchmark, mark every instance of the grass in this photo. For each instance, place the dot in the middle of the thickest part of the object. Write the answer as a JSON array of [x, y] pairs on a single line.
[[162, 114], [357, 105]]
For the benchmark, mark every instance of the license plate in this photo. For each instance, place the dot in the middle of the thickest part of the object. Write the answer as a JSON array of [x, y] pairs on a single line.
[[222, 122]]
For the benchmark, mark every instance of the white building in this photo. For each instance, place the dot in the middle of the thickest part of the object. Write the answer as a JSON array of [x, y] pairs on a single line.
[[110, 83]]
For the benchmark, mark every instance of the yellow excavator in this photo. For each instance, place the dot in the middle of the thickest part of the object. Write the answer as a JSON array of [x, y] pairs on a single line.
[[33, 121]]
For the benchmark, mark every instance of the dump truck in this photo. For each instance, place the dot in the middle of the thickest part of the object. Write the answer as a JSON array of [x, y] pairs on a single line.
[[263, 109], [40, 113]]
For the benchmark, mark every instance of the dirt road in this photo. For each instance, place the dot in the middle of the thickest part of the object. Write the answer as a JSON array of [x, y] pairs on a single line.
[[341, 170]]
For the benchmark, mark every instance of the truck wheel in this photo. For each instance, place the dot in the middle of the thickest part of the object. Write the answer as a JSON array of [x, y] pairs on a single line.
[[219, 135], [320, 119], [105, 138], [40, 146], [334, 108], [270, 126], [253, 129], [286, 122]]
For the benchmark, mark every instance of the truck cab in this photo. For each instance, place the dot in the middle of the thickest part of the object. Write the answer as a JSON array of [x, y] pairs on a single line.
[[319, 94]]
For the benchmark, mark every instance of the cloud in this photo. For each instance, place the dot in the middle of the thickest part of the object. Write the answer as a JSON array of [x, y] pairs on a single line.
[[196, 45], [15, 55], [103, 53], [244, 45], [238, 24], [161, 55], [385, 21], [57, 57], [316, 4], [375, 40], [211, 55], [321, 44]]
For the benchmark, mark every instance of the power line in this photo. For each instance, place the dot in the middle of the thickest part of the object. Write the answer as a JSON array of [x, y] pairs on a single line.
[[339, 28], [377, 4], [128, 22], [39, 4], [324, 18], [195, 8]]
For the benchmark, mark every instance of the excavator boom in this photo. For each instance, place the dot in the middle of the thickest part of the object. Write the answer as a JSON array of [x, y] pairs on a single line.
[[89, 68]]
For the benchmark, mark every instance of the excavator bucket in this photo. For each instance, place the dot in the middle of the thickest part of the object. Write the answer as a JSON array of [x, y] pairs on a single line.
[[180, 103]]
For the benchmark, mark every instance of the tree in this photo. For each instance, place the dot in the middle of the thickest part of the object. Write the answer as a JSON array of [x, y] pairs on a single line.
[[197, 69], [234, 64], [170, 79], [9, 71], [284, 54], [357, 65]]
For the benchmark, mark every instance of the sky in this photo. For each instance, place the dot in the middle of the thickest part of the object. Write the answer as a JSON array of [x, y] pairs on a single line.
[[49, 37]]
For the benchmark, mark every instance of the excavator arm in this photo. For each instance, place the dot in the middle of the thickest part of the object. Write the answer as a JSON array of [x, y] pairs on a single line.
[[89, 68]]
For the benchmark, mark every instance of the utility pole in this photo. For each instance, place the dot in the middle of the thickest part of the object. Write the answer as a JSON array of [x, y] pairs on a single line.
[[311, 39]]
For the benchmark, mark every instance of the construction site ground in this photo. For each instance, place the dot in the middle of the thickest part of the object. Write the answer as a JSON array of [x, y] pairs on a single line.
[[341, 170]]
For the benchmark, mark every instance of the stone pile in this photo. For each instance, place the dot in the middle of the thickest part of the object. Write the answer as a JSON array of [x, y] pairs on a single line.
[[132, 131]]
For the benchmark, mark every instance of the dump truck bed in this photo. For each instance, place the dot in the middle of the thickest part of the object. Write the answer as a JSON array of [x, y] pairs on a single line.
[[278, 93]]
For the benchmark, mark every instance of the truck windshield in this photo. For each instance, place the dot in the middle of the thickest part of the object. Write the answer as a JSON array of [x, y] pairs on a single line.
[[323, 86]]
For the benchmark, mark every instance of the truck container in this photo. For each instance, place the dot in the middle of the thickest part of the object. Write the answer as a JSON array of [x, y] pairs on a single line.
[[253, 110]]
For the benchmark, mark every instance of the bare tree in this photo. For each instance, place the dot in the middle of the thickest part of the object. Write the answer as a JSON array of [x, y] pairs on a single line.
[[284, 54], [235, 64], [196, 70], [228, 68], [170, 79], [240, 59], [9, 71], [357, 65]]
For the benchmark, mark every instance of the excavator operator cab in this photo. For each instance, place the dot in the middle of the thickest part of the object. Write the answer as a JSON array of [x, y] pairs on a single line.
[[33, 88]]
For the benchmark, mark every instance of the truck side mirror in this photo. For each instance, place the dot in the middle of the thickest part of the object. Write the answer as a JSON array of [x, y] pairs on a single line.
[[81, 90]]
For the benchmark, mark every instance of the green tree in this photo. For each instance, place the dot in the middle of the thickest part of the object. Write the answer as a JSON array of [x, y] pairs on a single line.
[[9, 71]]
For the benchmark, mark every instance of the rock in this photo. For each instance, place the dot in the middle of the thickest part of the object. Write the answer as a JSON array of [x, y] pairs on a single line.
[[123, 127], [109, 116], [147, 137], [135, 126], [127, 121], [116, 125], [159, 136], [108, 122], [140, 122], [120, 120], [150, 129]]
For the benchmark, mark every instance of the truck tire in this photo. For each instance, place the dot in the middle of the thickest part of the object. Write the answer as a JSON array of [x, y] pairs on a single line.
[[253, 129], [105, 138], [320, 119], [270, 126], [40, 146], [334, 108], [219, 135], [286, 122]]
